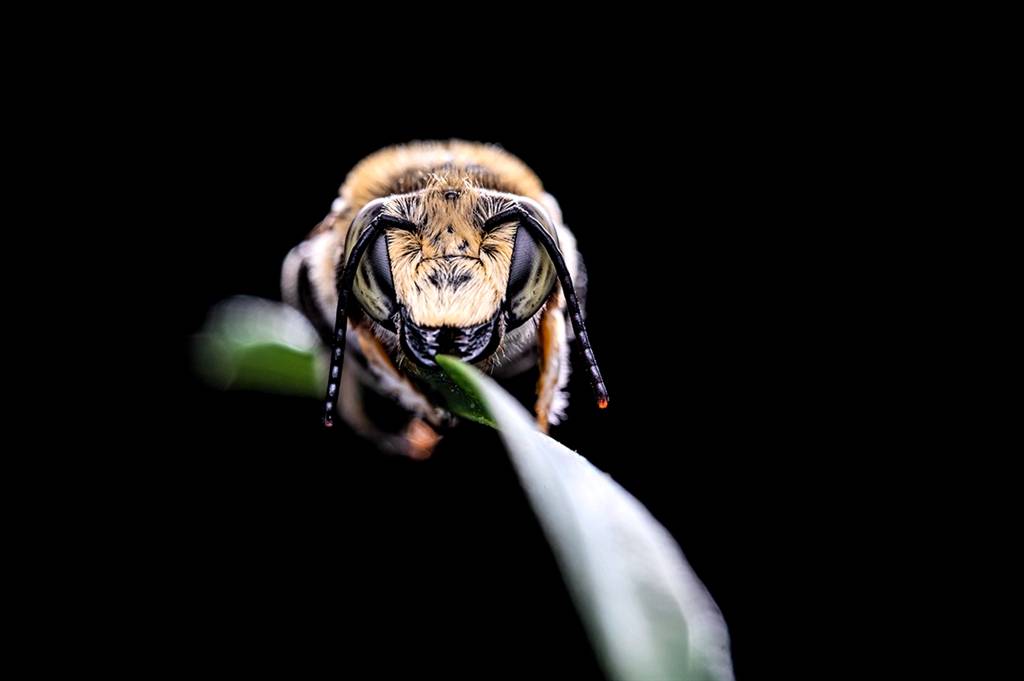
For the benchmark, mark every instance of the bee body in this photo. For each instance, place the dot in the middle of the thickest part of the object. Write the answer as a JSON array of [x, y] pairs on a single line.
[[430, 248]]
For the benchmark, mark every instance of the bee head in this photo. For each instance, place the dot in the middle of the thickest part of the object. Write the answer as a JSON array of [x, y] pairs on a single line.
[[453, 270]]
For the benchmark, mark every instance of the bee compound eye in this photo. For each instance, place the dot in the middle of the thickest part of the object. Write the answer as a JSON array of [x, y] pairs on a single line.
[[531, 278], [375, 288]]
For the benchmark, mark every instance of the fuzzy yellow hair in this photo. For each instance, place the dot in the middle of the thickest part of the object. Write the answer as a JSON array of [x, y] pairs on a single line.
[[454, 164], [448, 273]]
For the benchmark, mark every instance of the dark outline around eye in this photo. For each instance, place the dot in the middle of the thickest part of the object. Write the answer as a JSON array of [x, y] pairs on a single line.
[[501, 219], [391, 222]]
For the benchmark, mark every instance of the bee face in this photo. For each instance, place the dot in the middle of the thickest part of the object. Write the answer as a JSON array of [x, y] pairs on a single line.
[[448, 278], [440, 247]]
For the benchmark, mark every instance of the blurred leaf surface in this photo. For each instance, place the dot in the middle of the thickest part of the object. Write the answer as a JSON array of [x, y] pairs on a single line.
[[255, 344]]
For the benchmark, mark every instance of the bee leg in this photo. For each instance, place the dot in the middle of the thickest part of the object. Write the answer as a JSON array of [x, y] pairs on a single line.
[[417, 436], [393, 384], [420, 439], [381, 421], [553, 353]]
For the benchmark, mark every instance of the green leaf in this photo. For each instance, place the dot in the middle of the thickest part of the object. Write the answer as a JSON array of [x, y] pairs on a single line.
[[255, 344], [458, 400], [646, 611]]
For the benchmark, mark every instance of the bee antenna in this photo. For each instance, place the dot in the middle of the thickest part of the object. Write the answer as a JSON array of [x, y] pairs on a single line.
[[344, 278], [542, 235]]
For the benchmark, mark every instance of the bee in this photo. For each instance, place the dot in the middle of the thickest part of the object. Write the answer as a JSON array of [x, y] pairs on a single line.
[[439, 248]]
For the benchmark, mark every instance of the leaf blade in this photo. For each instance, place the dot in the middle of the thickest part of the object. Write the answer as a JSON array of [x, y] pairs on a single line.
[[647, 613]]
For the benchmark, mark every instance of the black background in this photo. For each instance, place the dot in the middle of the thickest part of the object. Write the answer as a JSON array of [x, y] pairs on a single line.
[[281, 544]]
